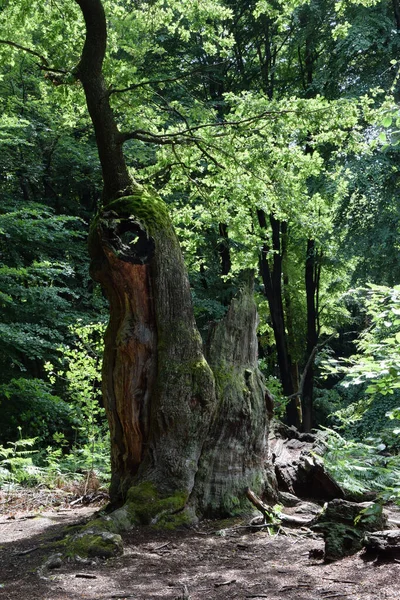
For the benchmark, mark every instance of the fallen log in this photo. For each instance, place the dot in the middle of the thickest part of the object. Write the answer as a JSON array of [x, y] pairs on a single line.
[[298, 468]]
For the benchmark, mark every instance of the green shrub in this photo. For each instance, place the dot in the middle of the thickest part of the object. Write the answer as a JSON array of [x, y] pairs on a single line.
[[29, 404]]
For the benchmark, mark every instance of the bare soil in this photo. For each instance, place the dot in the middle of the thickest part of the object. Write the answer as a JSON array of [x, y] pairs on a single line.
[[210, 562]]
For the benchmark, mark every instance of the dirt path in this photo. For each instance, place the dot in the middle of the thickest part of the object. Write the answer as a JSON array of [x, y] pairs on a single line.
[[236, 564]]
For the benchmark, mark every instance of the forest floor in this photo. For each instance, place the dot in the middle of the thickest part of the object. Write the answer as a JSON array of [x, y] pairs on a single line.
[[212, 562]]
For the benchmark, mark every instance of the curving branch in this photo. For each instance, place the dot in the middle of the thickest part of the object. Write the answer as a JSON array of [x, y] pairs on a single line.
[[308, 364], [43, 59], [186, 134], [43, 65], [135, 86]]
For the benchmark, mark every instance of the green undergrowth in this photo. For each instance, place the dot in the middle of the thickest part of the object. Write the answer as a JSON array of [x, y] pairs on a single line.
[[362, 468]]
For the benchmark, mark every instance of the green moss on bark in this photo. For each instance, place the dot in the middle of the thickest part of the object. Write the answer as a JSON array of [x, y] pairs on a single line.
[[147, 208], [146, 507]]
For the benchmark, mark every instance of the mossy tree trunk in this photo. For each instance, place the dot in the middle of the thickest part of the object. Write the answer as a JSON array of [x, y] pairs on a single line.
[[234, 454], [158, 389], [181, 434]]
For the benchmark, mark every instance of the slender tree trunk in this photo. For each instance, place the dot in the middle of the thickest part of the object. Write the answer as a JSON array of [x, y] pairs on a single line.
[[312, 281], [396, 9], [272, 279], [116, 179], [223, 249], [288, 305]]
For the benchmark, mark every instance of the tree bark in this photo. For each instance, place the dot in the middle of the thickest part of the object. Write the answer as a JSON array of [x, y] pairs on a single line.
[[396, 10], [223, 249], [158, 389], [181, 435], [234, 453], [116, 179]]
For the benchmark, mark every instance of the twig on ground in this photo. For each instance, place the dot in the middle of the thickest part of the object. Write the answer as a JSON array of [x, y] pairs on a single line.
[[286, 588], [225, 583], [339, 580], [27, 551], [86, 575], [160, 547], [77, 501]]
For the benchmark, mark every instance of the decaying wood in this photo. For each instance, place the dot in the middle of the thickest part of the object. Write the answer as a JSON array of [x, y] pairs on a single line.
[[298, 469], [259, 504], [344, 525], [289, 520], [28, 551], [386, 542]]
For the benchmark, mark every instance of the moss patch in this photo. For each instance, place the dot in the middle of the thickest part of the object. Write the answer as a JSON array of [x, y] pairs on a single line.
[[93, 543], [147, 507], [172, 521], [151, 211], [227, 377]]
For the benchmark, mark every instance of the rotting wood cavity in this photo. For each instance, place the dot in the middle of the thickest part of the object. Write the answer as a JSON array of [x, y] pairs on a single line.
[[128, 240]]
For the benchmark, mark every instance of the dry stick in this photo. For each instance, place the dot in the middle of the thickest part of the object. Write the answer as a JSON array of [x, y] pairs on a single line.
[[266, 511], [339, 580], [27, 551], [160, 547], [225, 583], [76, 501], [259, 504], [286, 588], [86, 576]]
